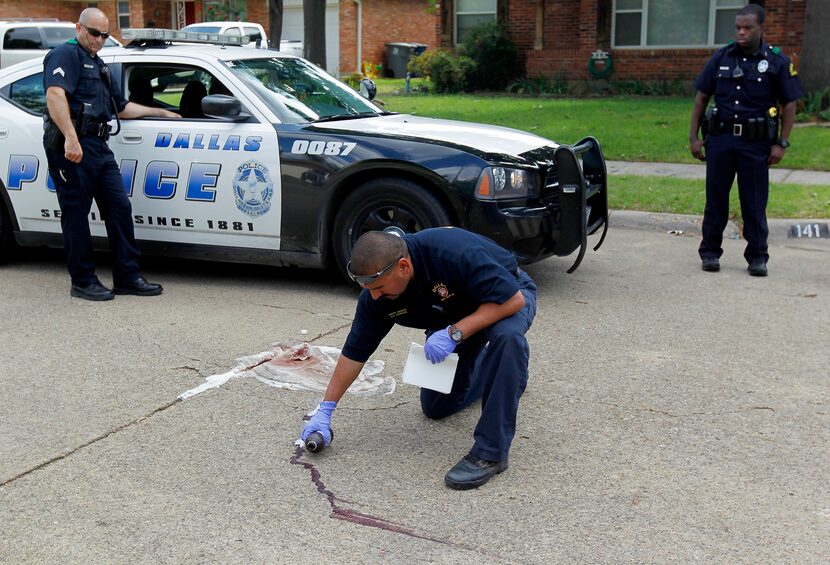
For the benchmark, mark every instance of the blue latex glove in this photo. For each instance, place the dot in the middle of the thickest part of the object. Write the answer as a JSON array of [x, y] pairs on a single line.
[[320, 421], [439, 345]]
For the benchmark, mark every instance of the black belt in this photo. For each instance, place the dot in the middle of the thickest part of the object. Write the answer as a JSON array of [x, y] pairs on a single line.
[[98, 129], [735, 128], [753, 129]]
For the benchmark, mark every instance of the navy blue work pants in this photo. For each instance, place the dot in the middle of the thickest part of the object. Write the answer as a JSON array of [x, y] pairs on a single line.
[[726, 156], [96, 177], [492, 366]]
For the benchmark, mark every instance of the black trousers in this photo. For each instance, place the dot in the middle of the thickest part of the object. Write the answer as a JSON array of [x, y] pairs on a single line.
[[726, 156], [96, 177]]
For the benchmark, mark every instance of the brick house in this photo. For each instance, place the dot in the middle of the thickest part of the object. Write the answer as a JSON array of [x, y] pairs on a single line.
[[665, 40]]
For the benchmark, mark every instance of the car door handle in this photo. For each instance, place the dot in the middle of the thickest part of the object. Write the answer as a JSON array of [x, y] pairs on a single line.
[[131, 137], [4, 133]]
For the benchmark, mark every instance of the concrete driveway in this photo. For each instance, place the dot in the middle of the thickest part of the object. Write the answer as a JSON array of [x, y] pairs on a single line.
[[671, 415]]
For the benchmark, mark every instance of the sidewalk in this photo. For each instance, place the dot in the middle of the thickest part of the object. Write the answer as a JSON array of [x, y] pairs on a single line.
[[694, 171]]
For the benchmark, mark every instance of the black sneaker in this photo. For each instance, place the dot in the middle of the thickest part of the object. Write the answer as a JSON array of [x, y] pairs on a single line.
[[472, 472], [95, 291], [758, 268], [710, 264], [139, 287]]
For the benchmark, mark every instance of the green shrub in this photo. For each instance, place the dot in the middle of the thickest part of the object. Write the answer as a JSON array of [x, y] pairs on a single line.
[[421, 65], [541, 85], [450, 72], [495, 54]]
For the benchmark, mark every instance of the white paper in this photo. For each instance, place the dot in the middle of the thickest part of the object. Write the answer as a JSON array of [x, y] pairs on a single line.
[[420, 371]]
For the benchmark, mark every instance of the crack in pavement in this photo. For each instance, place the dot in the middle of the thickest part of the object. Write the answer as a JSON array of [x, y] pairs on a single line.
[[671, 415], [88, 443]]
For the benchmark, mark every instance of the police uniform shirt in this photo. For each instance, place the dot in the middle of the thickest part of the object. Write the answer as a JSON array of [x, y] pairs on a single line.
[[748, 85], [455, 272], [86, 79]]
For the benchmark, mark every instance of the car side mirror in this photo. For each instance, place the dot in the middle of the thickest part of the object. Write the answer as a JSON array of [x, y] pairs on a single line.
[[223, 107], [368, 89]]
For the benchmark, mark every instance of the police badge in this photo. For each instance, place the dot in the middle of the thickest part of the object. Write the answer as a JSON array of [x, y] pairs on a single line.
[[253, 188], [763, 65]]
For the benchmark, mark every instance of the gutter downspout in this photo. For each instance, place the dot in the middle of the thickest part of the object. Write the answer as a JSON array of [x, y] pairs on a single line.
[[359, 35]]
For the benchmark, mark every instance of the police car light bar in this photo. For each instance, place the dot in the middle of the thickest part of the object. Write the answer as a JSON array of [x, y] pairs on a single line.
[[156, 34]]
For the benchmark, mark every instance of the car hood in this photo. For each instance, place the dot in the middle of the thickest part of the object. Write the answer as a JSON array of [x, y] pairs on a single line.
[[485, 138]]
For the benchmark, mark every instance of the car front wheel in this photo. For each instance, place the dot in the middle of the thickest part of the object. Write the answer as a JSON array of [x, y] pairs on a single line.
[[383, 203]]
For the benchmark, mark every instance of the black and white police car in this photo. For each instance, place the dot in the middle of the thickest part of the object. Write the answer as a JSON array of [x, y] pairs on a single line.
[[276, 162]]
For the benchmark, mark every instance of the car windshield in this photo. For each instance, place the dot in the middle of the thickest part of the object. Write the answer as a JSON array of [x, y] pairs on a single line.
[[298, 91]]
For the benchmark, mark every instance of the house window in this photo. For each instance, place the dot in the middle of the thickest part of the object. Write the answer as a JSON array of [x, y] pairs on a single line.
[[674, 23], [471, 13], [123, 15]]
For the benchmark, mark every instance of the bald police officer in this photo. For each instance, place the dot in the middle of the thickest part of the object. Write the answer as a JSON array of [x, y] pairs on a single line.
[[81, 98], [471, 297], [748, 79]]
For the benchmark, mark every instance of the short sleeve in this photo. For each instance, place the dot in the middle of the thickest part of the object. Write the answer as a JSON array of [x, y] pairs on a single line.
[[61, 68], [368, 330], [705, 81], [789, 85]]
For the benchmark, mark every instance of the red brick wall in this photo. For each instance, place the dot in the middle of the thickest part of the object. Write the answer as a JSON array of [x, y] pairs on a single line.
[[384, 21], [571, 35]]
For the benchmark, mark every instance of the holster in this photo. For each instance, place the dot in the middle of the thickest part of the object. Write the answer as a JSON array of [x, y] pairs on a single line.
[[707, 122], [52, 136]]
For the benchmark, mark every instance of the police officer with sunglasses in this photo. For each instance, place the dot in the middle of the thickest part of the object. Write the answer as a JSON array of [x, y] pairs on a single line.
[[748, 79], [81, 98], [471, 298]]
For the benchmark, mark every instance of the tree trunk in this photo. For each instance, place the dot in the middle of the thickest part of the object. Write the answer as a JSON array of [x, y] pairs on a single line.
[[275, 23], [815, 63], [314, 32]]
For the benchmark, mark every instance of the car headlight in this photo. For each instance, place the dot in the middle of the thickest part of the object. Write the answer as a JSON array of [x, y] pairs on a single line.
[[503, 183]]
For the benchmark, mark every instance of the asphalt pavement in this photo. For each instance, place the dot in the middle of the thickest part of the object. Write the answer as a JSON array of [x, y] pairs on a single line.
[[671, 415]]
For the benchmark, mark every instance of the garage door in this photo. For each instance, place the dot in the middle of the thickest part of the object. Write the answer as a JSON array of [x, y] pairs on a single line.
[[292, 29]]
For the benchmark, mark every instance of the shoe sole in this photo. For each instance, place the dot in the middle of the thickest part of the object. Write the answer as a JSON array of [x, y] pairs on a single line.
[[758, 273], [473, 484], [91, 298], [137, 293], [711, 269]]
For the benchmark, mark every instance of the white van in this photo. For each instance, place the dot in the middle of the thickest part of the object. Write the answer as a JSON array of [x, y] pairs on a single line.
[[22, 39]]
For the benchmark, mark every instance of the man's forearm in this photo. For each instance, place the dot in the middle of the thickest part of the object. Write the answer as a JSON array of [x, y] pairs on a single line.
[[787, 119], [345, 373], [489, 313]]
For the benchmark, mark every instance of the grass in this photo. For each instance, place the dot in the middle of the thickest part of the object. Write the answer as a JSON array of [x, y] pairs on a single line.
[[684, 196]]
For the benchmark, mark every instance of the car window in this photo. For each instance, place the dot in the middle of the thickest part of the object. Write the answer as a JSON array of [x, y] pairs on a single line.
[[22, 38], [177, 88], [28, 92], [202, 29], [232, 31], [297, 91], [57, 35]]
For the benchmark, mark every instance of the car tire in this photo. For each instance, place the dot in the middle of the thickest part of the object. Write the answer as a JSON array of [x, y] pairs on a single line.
[[379, 204], [6, 239]]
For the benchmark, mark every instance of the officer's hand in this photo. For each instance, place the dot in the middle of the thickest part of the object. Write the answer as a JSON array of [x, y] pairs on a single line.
[[776, 154], [696, 147], [439, 345], [320, 421], [72, 150]]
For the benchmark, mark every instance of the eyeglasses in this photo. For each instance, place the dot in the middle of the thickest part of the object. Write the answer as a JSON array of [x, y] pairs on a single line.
[[367, 279], [95, 33]]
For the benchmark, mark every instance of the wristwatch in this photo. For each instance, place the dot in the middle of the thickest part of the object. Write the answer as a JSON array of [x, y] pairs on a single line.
[[456, 334], [783, 143]]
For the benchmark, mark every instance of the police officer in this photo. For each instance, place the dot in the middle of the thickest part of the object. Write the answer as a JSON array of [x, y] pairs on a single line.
[[467, 292], [749, 79], [80, 97]]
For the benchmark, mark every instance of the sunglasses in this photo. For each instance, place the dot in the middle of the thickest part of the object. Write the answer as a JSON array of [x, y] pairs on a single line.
[[95, 33], [363, 280]]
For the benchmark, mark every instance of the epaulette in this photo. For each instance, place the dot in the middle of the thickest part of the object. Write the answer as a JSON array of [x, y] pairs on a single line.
[[776, 50]]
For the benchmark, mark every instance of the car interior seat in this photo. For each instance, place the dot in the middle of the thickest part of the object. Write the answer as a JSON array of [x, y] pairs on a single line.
[[217, 87], [141, 92], [190, 104]]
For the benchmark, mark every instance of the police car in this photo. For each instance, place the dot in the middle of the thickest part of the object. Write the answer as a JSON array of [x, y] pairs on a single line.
[[276, 162]]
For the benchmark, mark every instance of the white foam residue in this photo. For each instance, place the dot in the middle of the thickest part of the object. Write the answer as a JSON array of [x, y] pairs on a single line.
[[296, 365]]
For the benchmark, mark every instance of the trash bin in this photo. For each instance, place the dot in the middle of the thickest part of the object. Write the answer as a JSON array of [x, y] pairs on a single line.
[[398, 55]]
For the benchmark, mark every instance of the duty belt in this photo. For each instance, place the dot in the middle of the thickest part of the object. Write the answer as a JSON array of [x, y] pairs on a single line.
[[753, 129], [98, 129]]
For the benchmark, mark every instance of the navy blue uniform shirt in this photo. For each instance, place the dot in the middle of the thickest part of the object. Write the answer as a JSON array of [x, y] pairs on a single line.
[[456, 271], [84, 78], [769, 79]]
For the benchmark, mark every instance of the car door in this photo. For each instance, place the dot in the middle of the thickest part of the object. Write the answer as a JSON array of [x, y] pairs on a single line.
[[198, 180]]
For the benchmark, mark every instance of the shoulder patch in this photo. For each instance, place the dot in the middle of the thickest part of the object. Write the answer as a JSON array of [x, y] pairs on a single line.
[[776, 50], [793, 72]]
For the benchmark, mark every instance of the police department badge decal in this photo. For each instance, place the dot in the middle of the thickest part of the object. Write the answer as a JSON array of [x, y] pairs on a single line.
[[763, 65], [253, 188]]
